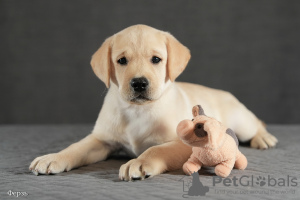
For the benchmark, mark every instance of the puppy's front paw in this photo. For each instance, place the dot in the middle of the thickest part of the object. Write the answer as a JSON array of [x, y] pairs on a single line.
[[48, 164], [263, 141], [137, 169]]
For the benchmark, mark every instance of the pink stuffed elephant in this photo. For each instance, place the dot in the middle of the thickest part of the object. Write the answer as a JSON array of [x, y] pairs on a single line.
[[213, 144]]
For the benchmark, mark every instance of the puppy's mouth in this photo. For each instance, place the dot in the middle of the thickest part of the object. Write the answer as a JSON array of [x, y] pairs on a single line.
[[140, 99]]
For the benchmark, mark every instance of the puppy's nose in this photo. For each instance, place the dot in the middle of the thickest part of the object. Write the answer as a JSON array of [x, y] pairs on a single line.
[[139, 84]]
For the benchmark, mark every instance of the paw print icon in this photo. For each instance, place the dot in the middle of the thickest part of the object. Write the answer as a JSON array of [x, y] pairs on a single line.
[[261, 181]]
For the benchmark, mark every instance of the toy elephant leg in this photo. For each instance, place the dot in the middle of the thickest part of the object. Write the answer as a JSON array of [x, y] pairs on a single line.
[[191, 166], [241, 162], [224, 168]]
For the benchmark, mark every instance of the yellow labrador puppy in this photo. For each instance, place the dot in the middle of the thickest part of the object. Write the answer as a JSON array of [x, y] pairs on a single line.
[[144, 105]]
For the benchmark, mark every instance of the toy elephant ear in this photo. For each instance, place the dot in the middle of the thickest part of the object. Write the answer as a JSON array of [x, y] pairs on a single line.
[[197, 110]]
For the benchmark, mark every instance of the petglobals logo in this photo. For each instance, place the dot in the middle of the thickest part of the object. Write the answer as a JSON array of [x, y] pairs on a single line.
[[259, 181], [193, 187]]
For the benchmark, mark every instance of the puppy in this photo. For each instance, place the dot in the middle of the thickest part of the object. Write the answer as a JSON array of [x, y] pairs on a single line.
[[144, 105]]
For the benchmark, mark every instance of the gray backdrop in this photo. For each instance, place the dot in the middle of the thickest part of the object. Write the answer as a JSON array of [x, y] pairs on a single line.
[[250, 48]]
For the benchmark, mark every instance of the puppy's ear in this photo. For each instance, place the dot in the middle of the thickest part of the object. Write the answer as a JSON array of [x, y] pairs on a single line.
[[178, 57], [197, 110], [101, 62]]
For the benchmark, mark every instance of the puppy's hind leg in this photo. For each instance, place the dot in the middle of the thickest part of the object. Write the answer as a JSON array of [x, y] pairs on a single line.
[[263, 139], [248, 127]]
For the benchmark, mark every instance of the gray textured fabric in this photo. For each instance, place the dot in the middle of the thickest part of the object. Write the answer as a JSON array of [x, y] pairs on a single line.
[[20, 144], [250, 48]]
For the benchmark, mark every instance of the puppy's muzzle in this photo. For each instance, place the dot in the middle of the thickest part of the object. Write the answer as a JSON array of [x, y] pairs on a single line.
[[139, 84]]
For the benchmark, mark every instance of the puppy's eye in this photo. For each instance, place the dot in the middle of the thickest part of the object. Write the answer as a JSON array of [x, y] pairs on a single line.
[[122, 61], [155, 59]]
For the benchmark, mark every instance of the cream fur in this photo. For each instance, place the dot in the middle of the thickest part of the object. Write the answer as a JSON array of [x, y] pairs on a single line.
[[147, 129]]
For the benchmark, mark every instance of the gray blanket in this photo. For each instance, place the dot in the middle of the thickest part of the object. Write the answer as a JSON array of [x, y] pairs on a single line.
[[271, 174]]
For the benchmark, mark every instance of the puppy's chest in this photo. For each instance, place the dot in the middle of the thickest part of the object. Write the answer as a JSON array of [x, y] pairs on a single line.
[[141, 132]]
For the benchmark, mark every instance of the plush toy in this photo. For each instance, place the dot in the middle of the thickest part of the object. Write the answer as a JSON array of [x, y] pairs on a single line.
[[213, 144]]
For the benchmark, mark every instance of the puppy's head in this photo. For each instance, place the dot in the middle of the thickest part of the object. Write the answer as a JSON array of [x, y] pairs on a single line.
[[140, 61]]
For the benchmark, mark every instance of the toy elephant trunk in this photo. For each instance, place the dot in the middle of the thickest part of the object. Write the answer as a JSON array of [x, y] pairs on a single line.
[[213, 144]]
